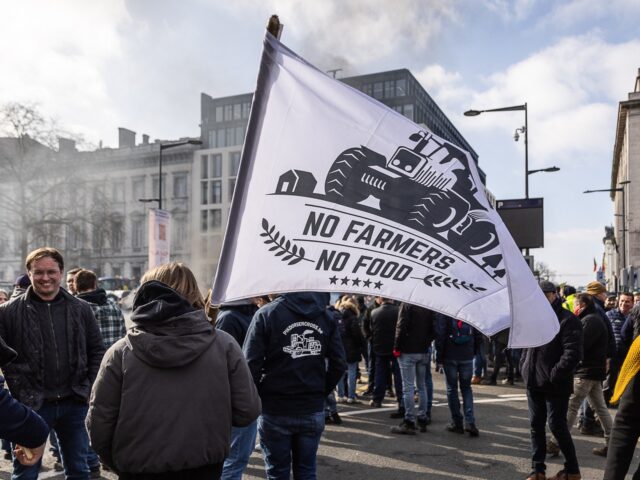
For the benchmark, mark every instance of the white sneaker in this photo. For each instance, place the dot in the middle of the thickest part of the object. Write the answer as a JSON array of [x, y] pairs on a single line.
[[341, 400]]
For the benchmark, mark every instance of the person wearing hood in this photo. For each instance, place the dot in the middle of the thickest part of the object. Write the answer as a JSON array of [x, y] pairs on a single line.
[[587, 382], [286, 347], [168, 393], [108, 314], [235, 318]]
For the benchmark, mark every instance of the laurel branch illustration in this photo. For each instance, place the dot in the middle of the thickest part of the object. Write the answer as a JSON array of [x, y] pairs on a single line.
[[443, 281], [281, 246]]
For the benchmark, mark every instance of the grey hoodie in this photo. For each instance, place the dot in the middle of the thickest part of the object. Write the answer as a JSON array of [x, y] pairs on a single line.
[[168, 393]]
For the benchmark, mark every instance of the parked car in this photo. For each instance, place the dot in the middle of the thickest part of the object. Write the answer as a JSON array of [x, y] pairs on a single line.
[[117, 288]]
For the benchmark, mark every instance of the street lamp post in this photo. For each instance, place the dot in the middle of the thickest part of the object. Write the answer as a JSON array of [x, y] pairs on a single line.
[[624, 217], [524, 130], [165, 146]]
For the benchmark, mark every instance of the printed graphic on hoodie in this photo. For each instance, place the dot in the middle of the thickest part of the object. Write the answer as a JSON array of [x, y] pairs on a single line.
[[303, 345]]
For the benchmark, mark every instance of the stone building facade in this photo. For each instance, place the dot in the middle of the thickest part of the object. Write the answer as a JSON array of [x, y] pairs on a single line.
[[625, 174]]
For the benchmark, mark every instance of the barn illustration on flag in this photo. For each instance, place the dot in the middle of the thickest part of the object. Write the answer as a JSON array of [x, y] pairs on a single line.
[[338, 193]]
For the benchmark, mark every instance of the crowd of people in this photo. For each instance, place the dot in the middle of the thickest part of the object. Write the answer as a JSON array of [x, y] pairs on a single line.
[[275, 369]]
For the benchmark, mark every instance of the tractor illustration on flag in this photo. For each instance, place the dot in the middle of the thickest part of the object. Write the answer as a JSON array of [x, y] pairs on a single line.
[[428, 188]]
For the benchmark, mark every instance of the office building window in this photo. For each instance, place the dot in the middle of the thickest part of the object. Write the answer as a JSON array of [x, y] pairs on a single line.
[[203, 220], [378, 90], [228, 112], [216, 165], [219, 116], [389, 89], [234, 163], [216, 191], [204, 166], [204, 192], [215, 219], [246, 108], [401, 87], [232, 187], [237, 111]]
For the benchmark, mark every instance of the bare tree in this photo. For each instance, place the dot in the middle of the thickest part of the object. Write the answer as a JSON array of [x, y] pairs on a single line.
[[543, 272], [37, 184]]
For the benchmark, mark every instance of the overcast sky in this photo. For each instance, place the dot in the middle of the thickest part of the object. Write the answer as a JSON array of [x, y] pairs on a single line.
[[98, 65]]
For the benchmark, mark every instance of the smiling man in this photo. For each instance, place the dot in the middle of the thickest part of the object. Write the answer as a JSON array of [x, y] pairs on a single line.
[[59, 350]]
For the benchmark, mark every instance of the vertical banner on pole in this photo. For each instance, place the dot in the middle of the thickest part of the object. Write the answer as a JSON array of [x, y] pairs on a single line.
[[159, 235]]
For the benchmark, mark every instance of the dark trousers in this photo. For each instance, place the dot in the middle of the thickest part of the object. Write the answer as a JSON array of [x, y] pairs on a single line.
[[612, 378], [555, 407], [371, 369], [501, 356], [385, 365], [625, 434]]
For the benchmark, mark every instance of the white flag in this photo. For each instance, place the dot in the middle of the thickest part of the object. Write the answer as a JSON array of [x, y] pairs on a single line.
[[338, 193]]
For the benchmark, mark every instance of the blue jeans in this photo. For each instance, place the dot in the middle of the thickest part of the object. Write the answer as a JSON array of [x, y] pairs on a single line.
[[556, 406], [243, 441], [412, 368], [290, 442], [428, 381], [479, 361], [351, 374], [454, 371], [384, 365], [67, 418]]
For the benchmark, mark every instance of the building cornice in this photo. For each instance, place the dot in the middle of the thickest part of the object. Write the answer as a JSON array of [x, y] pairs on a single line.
[[623, 109]]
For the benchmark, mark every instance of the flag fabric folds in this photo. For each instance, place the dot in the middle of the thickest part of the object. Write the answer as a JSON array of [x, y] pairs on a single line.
[[338, 193]]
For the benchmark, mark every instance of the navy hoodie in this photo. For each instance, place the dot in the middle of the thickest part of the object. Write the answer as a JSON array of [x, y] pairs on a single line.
[[295, 353]]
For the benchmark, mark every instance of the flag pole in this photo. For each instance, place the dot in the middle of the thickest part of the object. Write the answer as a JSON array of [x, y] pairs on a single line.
[[274, 27]]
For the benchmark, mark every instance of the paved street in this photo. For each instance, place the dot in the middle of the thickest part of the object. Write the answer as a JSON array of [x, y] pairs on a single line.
[[363, 448]]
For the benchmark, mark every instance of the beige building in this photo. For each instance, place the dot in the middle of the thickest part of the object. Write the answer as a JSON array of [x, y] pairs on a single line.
[[625, 184]]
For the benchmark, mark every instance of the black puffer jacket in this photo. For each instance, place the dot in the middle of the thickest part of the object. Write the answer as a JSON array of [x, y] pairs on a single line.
[[21, 328], [352, 338], [550, 368], [415, 329], [383, 328], [596, 341]]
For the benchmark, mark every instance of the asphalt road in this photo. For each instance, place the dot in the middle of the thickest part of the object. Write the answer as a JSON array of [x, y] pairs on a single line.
[[363, 447]]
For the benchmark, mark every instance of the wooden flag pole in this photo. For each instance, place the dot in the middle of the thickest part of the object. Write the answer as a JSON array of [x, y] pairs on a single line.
[[274, 27]]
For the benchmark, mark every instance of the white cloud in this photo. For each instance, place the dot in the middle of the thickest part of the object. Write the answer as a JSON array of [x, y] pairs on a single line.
[[62, 72], [569, 13], [572, 89], [359, 31], [510, 10]]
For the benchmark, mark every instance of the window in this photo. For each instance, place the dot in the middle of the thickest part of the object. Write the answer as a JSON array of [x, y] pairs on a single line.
[[204, 166], [228, 112], [246, 108], [239, 135], [378, 90], [221, 138], [216, 165], [219, 114], [215, 219], [401, 87], [203, 220], [118, 191], [116, 236], [180, 185], [204, 192], [234, 163], [137, 233], [230, 137], [232, 187], [213, 139], [216, 191], [389, 89], [368, 89], [408, 111], [237, 111]]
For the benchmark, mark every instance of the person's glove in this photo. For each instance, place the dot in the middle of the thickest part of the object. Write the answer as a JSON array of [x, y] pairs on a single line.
[[396, 353]]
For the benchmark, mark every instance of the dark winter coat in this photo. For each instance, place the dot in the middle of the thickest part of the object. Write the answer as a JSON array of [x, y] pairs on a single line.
[[59, 347], [631, 328], [550, 368], [611, 339], [235, 320], [415, 329], [18, 423], [295, 353], [168, 393], [383, 328], [352, 338], [447, 349], [595, 342]]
